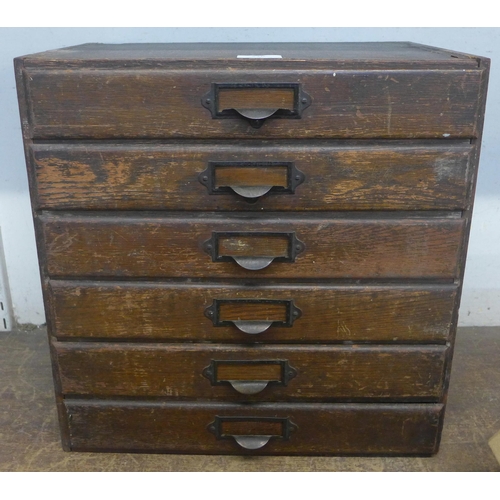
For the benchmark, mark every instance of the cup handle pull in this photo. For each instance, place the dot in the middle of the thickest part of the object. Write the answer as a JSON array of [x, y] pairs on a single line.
[[239, 246], [256, 102], [249, 386], [273, 372], [251, 192], [261, 430], [252, 327], [251, 179], [252, 442], [253, 263], [256, 117], [285, 313]]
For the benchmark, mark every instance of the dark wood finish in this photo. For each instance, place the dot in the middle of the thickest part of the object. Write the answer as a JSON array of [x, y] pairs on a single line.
[[173, 247], [31, 440], [324, 373], [163, 427], [138, 103], [391, 215], [353, 55], [378, 176], [175, 312]]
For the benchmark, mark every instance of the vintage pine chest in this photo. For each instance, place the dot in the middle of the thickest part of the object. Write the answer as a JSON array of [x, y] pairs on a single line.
[[252, 248]]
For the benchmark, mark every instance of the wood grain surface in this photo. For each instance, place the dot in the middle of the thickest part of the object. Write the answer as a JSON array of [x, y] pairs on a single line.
[[323, 373], [147, 246], [346, 176], [163, 427], [142, 103], [388, 146], [31, 440], [175, 312], [311, 55]]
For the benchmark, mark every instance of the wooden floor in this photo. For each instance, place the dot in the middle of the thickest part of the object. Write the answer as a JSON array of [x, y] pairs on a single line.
[[29, 438]]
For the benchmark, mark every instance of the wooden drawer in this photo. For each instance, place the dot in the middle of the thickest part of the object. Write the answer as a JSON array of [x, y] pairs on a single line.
[[209, 246], [285, 429], [262, 373], [196, 176], [238, 314], [341, 103]]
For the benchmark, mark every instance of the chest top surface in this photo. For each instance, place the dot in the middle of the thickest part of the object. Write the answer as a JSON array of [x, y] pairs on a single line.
[[348, 54]]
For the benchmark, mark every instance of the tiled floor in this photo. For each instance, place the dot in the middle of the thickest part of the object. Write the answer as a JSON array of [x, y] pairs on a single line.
[[29, 438]]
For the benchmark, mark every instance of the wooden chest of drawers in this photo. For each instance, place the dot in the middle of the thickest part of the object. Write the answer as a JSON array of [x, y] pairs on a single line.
[[258, 255]]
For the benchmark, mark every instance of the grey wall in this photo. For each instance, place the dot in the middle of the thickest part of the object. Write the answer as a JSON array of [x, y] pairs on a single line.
[[481, 297]]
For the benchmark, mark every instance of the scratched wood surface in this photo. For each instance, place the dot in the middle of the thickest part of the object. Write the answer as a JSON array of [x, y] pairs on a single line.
[[141, 103], [81, 109], [175, 312], [110, 245], [354, 176], [31, 442], [324, 373], [369, 429], [304, 54]]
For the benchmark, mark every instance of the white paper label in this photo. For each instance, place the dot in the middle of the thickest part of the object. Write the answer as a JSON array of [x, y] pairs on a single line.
[[266, 56]]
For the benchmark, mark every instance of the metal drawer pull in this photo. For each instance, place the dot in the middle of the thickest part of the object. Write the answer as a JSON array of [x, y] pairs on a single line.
[[252, 327], [253, 250], [249, 377], [252, 433], [256, 116], [251, 180], [252, 442], [256, 102], [253, 263], [239, 312], [251, 192], [249, 386]]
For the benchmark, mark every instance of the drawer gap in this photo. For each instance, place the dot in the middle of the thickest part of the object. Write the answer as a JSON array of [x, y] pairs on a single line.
[[291, 343], [144, 400], [136, 215], [347, 143], [259, 282]]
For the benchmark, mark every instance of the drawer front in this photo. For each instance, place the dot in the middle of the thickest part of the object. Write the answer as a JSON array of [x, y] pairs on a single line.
[[253, 177], [143, 246], [263, 373], [160, 103], [315, 429], [231, 313]]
